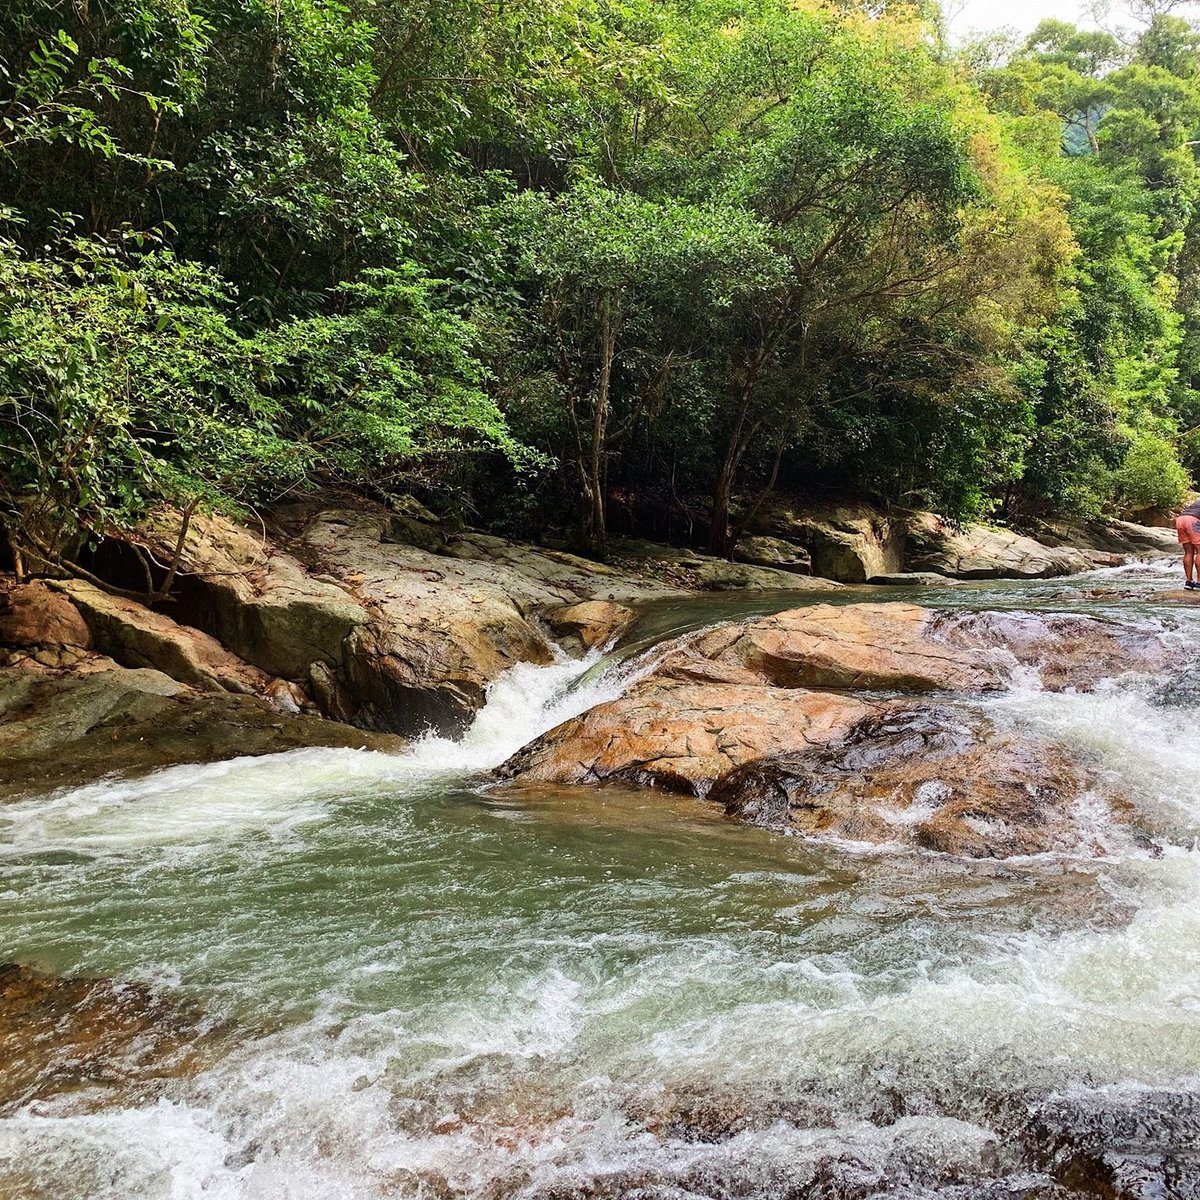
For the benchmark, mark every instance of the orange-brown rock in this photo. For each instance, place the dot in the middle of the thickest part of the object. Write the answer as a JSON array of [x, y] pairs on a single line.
[[63, 1035], [593, 622], [929, 777], [33, 614], [684, 734], [904, 647]]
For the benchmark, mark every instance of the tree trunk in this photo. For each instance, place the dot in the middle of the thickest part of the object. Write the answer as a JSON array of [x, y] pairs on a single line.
[[595, 518], [718, 525]]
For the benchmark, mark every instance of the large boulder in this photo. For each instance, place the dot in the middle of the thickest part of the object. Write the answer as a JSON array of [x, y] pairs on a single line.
[[908, 648], [932, 777], [794, 721], [851, 542], [255, 599], [1111, 538], [989, 552], [683, 735], [137, 636], [773, 552]]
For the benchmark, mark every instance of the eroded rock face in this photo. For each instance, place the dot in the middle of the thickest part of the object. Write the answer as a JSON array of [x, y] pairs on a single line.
[[924, 776], [137, 636], [387, 620], [684, 735], [63, 1035]]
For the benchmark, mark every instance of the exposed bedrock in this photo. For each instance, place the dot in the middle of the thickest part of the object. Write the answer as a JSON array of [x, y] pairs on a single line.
[[73, 726], [817, 720], [930, 777], [388, 621]]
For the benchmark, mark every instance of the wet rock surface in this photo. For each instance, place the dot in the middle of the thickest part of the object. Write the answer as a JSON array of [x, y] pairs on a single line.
[[904, 647], [683, 735], [809, 720], [929, 777], [90, 1035], [1136, 1145], [59, 728]]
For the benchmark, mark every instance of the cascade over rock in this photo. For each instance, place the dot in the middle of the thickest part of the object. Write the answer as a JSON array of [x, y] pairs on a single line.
[[388, 621]]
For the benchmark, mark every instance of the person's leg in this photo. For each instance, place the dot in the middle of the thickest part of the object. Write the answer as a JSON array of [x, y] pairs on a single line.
[[1189, 561]]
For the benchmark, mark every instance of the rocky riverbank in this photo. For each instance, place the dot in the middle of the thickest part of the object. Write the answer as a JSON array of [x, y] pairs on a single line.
[[350, 624], [869, 730]]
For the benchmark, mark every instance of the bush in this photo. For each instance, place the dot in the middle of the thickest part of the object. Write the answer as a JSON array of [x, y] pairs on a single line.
[[1151, 475]]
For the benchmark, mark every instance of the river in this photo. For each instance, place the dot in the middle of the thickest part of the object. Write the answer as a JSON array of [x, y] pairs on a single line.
[[447, 988]]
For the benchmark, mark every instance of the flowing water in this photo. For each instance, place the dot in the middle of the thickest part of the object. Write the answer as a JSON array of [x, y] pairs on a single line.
[[446, 988]]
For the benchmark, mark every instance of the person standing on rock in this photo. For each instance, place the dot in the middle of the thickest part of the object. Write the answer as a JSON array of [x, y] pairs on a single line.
[[1187, 527]]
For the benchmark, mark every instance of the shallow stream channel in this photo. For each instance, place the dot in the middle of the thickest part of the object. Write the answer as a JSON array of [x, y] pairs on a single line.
[[430, 985]]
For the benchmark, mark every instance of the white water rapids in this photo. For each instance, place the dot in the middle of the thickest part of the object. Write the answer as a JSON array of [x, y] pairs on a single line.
[[450, 990]]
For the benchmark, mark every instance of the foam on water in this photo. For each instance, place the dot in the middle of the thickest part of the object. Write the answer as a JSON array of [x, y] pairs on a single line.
[[515, 1009], [274, 795]]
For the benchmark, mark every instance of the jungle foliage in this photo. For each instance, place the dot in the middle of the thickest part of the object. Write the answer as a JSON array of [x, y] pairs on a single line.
[[571, 261]]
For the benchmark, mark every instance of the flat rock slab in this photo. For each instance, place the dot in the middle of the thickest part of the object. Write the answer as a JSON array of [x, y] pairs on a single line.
[[683, 735], [907, 648]]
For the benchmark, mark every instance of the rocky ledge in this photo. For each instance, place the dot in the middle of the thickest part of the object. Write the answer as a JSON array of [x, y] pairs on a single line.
[[816, 720]]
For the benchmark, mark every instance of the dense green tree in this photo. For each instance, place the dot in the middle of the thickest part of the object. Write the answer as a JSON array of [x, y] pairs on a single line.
[[686, 249]]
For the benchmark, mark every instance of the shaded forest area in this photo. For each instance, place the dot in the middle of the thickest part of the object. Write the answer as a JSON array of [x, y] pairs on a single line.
[[554, 264]]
